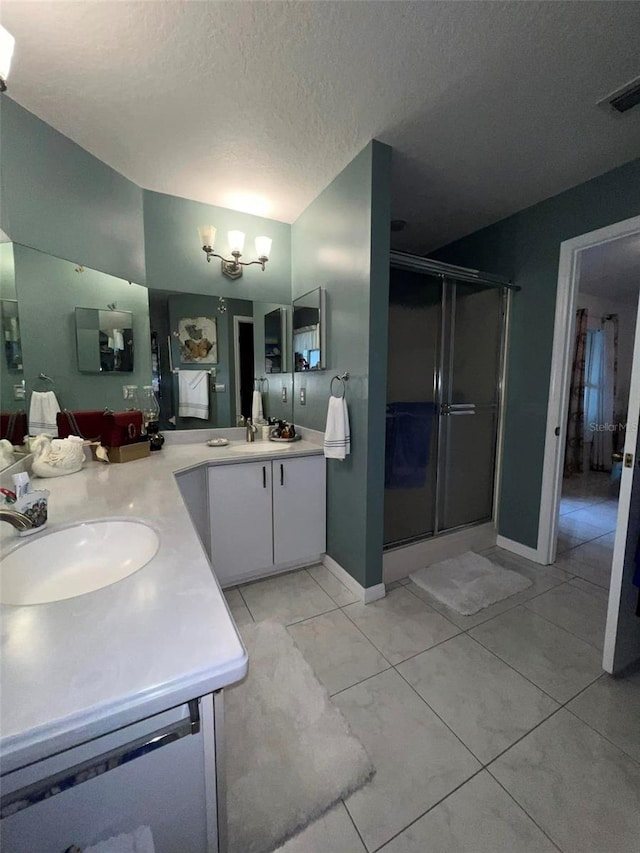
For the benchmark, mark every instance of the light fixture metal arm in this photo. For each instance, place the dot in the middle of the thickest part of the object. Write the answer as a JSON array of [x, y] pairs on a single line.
[[231, 267]]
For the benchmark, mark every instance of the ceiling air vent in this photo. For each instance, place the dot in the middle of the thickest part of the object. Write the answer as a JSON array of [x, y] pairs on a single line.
[[625, 98]]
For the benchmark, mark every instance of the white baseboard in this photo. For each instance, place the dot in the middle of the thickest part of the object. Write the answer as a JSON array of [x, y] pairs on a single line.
[[269, 571], [519, 549], [367, 594], [400, 562]]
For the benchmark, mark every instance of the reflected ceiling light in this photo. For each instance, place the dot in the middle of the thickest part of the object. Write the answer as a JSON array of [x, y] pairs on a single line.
[[232, 268], [7, 43]]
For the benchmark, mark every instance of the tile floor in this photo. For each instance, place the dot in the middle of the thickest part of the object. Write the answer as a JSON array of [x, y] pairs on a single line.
[[588, 515], [496, 733]]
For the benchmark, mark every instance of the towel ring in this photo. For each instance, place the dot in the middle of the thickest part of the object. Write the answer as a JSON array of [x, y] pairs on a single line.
[[344, 378], [42, 377]]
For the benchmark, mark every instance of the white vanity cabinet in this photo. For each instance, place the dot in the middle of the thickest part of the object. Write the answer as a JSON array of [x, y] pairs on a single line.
[[266, 516]]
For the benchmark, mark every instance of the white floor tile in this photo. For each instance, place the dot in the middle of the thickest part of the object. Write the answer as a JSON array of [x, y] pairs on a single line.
[[575, 527], [580, 789], [400, 625], [286, 598], [612, 707], [418, 760], [582, 613], [337, 651], [333, 833], [480, 817], [557, 661], [238, 608], [486, 703]]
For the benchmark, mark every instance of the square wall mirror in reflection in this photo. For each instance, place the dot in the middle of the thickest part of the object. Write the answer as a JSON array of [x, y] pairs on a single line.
[[104, 340], [309, 331]]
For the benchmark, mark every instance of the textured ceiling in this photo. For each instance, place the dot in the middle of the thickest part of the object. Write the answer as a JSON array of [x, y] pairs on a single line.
[[612, 270], [489, 107]]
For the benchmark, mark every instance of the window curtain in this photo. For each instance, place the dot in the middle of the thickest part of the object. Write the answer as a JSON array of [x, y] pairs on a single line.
[[306, 339], [575, 423], [601, 385]]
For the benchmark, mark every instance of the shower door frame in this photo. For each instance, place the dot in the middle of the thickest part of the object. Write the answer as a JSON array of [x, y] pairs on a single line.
[[455, 273]]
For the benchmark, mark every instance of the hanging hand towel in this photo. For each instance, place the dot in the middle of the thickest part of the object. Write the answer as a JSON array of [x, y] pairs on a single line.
[[193, 394], [337, 440], [256, 407], [43, 409]]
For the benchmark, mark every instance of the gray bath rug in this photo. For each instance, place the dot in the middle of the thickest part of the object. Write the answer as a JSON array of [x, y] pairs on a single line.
[[290, 754], [469, 583]]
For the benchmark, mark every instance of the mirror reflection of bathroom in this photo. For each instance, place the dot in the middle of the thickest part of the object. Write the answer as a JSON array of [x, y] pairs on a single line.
[[606, 310], [275, 336], [220, 336], [308, 331]]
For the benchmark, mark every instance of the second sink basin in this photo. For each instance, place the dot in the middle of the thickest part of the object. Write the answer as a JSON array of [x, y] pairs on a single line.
[[260, 447], [76, 560]]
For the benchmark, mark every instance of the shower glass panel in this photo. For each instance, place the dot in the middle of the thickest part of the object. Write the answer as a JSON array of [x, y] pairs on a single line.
[[469, 412], [445, 354], [415, 321]]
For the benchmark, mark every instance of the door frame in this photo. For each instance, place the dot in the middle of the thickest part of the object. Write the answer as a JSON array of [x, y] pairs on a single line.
[[617, 654], [560, 381], [237, 319]]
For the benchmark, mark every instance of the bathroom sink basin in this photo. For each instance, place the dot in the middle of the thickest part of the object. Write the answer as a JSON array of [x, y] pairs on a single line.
[[260, 447], [75, 560]]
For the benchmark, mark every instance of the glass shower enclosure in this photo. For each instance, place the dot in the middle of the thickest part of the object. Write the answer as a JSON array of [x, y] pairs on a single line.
[[444, 382]]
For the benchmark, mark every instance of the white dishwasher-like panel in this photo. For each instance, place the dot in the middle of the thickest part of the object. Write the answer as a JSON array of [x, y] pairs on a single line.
[[161, 787]]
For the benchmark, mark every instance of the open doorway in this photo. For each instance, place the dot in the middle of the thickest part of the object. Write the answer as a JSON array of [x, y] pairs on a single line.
[[585, 490], [243, 354], [608, 284]]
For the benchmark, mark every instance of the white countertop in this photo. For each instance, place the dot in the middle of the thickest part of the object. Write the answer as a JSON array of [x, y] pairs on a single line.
[[75, 669]]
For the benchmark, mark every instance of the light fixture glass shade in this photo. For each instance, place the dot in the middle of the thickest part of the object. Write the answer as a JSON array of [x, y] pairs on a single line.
[[207, 235], [263, 246], [236, 241], [7, 43]]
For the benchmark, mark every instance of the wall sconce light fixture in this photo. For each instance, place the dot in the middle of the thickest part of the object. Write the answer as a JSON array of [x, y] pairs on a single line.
[[233, 268], [7, 43]]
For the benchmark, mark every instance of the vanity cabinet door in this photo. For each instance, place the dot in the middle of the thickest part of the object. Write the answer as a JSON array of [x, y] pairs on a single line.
[[299, 508], [241, 522]]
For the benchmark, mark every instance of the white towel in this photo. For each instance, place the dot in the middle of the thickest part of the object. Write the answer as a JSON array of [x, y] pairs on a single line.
[[43, 409], [256, 407], [337, 439], [139, 841], [193, 394]]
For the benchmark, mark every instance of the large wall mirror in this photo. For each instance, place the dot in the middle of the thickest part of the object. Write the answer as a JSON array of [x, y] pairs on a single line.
[[309, 331], [173, 334]]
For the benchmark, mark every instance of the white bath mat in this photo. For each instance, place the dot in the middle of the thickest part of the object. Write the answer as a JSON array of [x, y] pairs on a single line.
[[469, 583], [290, 754]]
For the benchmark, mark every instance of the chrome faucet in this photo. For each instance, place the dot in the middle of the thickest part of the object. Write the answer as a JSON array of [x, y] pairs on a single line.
[[251, 430], [16, 519]]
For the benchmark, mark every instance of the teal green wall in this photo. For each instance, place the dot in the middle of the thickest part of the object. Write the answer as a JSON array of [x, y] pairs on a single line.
[[58, 198], [341, 243], [526, 248], [49, 290], [175, 260]]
